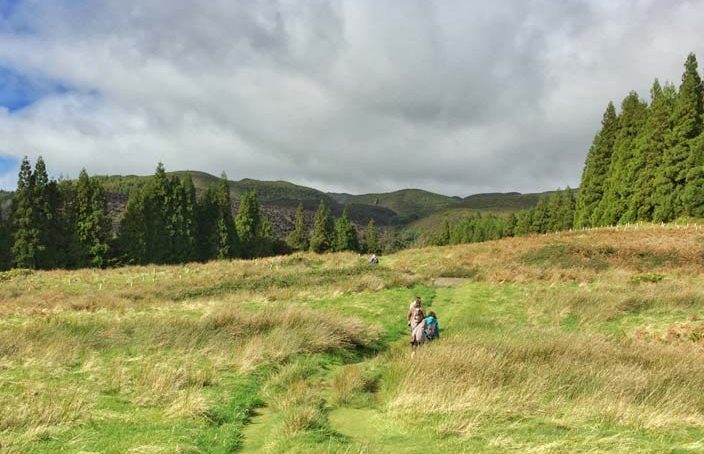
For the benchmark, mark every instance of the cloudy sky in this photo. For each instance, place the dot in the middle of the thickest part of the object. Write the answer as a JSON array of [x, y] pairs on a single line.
[[456, 97]]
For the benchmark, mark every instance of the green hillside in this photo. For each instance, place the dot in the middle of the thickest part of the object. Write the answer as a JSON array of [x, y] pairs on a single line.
[[503, 202], [499, 204], [410, 204], [266, 190]]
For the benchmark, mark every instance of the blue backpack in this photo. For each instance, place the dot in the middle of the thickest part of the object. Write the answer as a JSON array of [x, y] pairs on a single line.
[[431, 328]]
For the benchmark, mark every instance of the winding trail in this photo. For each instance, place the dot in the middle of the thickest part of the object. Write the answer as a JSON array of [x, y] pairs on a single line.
[[368, 429]]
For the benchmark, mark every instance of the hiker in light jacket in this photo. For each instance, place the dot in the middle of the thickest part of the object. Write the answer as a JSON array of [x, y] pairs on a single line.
[[415, 313], [418, 334]]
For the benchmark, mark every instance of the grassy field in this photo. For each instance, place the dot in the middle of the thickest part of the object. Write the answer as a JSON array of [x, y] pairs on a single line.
[[589, 341]]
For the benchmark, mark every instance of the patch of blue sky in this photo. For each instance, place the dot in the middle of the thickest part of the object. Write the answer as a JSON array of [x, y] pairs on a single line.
[[9, 167], [18, 90], [15, 17], [7, 7], [8, 163]]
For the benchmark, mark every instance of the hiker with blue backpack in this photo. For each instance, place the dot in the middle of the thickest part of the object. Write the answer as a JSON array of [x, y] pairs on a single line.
[[423, 328], [431, 327]]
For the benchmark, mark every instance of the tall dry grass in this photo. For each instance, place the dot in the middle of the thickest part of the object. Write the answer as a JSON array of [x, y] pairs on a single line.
[[55, 369], [573, 380], [579, 256]]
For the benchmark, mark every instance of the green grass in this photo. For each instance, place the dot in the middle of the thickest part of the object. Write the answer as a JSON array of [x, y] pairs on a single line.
[[309, 353]]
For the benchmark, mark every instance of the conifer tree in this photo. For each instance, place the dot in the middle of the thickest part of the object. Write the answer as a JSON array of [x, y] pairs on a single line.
[[524, 222], [227, 244], [371, 240], [568, 208], [345, 238], [298, 238], [540, 219], [693, 195], [596, 169], [185, 243], [323, 230], [620, 181], [159, 231], [148, 230], [5, 242], [132, 237], [511, 224], [553, 212], [686, 125], [248, 220], [45, 201], [58, 197], [264, 240], [25, 233], [445, 235], [207, 217], [651, 147], [563, 218], [91, 222]]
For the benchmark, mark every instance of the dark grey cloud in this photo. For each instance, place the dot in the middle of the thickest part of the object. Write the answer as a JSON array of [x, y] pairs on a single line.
[[347, 95]]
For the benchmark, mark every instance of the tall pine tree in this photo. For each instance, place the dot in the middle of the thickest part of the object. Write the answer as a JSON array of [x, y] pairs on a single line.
[[298, 238], [371, 239], [185, 219], [323, 230], [227, 243], [207, 219], [93, 228], [158, 204], [45, 202], [693, 195], [132, 239], [248, 224], [346, 238], [651, 147], [5, 242], [595, 172], [619, 183], [686, 125], [25, 232], [540, 219]]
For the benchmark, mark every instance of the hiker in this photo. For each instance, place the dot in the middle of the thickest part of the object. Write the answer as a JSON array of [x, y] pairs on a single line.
[[418, 334], [373, 259], [415, 313], [431, 327]]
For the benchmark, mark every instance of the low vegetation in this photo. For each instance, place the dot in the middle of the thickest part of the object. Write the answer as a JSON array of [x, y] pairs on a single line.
[[574, 342]]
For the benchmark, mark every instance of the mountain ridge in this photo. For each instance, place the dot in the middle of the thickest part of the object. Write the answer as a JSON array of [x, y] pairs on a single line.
[[279, 199]]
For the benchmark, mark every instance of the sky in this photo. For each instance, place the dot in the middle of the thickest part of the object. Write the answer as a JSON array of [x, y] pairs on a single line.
[[452, 96]]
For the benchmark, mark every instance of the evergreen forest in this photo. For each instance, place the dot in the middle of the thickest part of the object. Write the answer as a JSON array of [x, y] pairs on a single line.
[[66, 224]]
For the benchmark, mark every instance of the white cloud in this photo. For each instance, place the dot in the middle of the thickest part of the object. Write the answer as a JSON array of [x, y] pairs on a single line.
[[350, 95]]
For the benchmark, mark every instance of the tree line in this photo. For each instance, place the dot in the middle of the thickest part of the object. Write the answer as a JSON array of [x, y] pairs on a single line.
[[332, 235], [67, 224], [554, 212], [647, 162]]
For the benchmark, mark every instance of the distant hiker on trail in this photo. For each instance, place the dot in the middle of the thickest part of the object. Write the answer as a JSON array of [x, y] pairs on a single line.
[[431, 327], [373, 259]]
